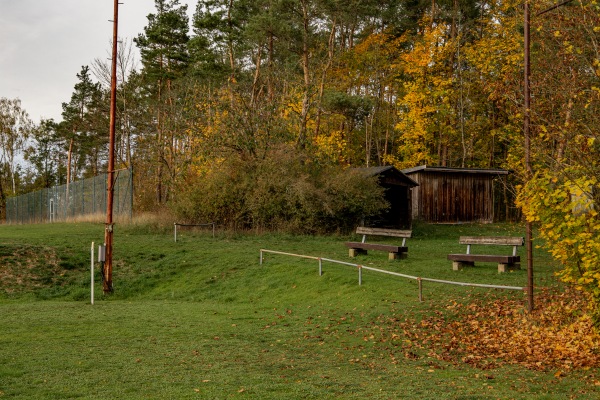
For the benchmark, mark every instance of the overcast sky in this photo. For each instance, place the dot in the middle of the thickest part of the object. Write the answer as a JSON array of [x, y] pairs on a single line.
[[44, 43]]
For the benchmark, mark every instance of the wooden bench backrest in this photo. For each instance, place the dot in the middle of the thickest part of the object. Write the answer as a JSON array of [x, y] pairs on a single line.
[[363, 230], [492, 240], [383, 232]]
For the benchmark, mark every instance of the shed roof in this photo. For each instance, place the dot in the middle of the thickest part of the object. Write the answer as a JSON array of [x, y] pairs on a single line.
[[388, 171], [483, 171]]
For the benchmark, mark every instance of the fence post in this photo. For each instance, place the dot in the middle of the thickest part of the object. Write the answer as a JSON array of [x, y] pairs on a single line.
[[83, 196], [175, 232], [130, 188], [320, 267], [261, 257], [92, 274], [360, 275]]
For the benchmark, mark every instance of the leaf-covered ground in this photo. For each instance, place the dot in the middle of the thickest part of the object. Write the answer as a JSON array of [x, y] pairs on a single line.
[[559, 336]]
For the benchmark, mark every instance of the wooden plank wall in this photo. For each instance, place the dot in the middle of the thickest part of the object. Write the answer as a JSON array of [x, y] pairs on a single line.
[[453, 197]]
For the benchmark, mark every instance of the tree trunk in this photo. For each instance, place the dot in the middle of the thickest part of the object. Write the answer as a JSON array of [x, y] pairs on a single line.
[[302, 136], [69, 171], [324, 75], [2, 202]]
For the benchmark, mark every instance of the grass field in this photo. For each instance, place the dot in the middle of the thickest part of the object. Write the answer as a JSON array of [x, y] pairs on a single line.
[[201, 318]]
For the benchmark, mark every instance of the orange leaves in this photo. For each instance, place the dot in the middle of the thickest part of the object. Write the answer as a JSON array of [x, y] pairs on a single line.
[[559, 335]]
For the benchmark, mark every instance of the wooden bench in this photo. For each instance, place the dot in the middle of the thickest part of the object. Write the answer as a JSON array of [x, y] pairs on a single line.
[[505, 262], [394, 252]]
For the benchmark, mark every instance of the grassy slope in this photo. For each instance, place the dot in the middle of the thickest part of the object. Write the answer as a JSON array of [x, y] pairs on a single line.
[[201, 319]]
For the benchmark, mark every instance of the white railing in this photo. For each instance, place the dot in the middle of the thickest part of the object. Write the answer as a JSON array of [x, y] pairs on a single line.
[[360, 267]]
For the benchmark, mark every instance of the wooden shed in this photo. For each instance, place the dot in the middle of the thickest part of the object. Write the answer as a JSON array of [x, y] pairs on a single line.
[[453, 195], [398, 194]]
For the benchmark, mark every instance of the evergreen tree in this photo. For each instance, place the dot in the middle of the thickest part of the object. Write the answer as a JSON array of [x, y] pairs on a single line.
[[83, 125], [42, 152], [165, 58], [163, 45]]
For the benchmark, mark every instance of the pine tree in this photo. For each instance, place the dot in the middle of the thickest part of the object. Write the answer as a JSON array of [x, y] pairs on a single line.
[[165, 58], [82, 125]]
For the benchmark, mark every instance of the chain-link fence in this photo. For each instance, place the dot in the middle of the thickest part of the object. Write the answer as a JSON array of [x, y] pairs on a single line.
[[64, 202]]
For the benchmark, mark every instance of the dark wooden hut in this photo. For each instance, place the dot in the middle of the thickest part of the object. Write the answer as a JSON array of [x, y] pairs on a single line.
[[398, 194], [453, 195]]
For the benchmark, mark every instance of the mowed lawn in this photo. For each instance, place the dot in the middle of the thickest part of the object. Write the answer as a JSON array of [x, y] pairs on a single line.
[[201, 318]]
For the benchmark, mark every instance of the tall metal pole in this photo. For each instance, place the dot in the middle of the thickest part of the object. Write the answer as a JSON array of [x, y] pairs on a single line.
[[108, 230], [526, 132]]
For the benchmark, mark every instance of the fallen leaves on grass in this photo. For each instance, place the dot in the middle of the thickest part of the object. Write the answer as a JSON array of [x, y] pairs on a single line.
[[558, 335]]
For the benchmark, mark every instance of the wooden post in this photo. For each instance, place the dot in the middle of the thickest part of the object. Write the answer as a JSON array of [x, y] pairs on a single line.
[[526, 133], [107, 286]]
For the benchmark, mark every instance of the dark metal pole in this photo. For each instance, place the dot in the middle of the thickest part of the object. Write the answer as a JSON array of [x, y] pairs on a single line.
[[108, 231], [526, 132]]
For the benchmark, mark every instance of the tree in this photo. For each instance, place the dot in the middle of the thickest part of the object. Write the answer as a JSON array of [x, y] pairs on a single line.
[[163, 45], [165, 58], [83, 121], [126, 78], [563, 197], [15, 128], [218, 33], [42, 153]]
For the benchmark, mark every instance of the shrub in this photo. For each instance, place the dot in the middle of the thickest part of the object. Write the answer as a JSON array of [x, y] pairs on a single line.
[[284, 192]]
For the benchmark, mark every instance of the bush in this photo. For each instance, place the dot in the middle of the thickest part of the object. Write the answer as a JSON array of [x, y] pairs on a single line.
[[282, 192]]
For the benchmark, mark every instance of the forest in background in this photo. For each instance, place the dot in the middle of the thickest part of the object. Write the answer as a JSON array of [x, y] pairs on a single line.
[[252, 112]]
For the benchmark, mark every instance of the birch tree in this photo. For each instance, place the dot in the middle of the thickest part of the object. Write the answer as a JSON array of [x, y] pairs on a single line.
[[15, 128]]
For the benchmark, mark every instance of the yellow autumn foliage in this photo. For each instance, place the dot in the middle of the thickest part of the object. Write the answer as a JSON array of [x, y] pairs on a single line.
[[569, 224]]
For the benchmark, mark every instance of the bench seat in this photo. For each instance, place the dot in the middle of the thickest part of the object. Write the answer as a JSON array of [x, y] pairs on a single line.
[[484, 258], [505, 262], [394, 252]]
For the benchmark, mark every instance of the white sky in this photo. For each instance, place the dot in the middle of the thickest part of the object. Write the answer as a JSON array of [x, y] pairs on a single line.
[[44, 43]]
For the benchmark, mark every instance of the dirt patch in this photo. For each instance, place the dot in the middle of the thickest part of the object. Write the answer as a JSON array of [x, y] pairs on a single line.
[[25, 268]]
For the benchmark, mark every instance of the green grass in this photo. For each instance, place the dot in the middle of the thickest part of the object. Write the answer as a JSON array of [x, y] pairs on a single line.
[[201, 318]]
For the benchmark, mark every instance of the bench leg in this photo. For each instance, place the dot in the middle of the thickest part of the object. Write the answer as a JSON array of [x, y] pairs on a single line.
[[355, 252], [507, 267], [396, 256], [457, 265]]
